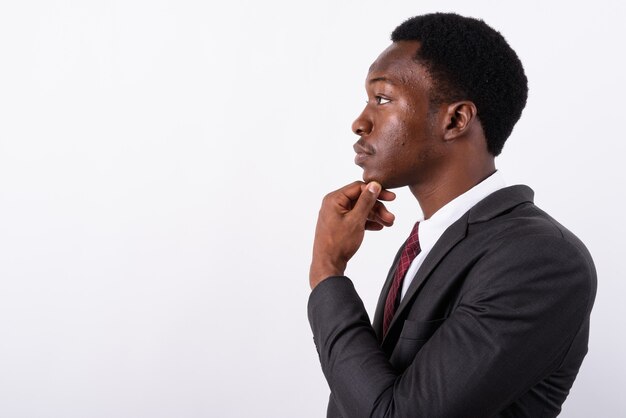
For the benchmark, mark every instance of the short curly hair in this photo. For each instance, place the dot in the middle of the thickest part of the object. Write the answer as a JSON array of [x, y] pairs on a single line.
[[468, 60]]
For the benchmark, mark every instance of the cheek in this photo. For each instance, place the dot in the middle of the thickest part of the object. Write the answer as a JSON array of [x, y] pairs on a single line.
[[397, 132], [405, 138]]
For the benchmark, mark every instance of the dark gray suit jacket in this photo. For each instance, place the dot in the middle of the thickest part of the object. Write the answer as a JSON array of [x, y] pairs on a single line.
[[495, 323]]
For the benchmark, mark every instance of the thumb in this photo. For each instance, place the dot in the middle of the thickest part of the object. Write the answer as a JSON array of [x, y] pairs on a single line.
[[367, 199]]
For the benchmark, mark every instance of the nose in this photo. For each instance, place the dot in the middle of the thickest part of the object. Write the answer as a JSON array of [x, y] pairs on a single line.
[[362, 125]]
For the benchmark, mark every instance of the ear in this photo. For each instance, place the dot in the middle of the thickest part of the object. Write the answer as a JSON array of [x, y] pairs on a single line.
[[458, 119]]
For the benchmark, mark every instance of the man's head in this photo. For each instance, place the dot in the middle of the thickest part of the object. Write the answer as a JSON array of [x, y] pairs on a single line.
[[442, 99], [468, 60]]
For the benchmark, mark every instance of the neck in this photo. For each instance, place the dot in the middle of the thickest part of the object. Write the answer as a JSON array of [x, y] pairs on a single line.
[[434, 195]]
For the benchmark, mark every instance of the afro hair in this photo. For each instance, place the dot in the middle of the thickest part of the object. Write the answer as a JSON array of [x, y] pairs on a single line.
[[468, 60]]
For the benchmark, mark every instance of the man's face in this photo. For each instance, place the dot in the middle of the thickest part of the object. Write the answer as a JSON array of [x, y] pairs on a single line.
[[399, 144]]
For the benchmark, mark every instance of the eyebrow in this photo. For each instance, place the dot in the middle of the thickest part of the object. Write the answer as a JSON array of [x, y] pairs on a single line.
[[381, 79]]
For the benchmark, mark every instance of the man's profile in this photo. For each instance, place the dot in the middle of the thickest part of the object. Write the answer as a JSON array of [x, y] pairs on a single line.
[[485, 310]]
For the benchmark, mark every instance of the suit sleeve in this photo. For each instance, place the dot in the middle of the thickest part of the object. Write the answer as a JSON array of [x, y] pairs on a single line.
[[527, 300]]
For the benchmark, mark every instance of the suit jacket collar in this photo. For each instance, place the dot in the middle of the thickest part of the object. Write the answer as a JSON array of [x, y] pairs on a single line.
[[490, 207], [499, 202]]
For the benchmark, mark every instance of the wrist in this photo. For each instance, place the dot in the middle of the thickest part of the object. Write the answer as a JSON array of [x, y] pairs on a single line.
[[323, 269]]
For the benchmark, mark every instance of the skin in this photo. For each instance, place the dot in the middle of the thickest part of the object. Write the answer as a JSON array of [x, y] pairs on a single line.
[[439, 152]]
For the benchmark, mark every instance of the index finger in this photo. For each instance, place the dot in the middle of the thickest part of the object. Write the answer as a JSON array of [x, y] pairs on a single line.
[[353, 190], [384, 194]]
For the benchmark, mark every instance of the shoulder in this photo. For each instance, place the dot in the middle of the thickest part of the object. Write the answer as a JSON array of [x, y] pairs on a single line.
[[526, 229], [509, 217], [523, 249]]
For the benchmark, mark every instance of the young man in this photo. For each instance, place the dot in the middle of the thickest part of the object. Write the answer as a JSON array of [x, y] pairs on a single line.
[[485, 311]]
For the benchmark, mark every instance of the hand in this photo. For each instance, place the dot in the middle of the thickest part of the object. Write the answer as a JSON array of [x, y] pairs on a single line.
[[343, 218]]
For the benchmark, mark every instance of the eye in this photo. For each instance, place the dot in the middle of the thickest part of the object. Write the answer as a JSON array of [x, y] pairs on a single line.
[[381, 100]]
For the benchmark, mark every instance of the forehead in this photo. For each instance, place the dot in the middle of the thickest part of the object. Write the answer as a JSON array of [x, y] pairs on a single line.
[[397, 65]]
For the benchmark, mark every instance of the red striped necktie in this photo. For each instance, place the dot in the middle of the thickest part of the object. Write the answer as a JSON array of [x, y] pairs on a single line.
[[410, 251]]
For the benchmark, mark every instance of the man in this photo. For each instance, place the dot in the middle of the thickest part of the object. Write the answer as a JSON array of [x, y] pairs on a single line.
[[485, 311]]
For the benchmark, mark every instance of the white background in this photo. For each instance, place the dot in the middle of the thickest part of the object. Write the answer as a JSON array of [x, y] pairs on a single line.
[[161, 168]]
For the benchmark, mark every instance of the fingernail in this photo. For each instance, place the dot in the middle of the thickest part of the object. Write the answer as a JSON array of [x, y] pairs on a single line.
[[374, 187]]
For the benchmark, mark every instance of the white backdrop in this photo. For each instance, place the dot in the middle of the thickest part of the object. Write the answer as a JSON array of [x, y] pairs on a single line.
[[161, 168]]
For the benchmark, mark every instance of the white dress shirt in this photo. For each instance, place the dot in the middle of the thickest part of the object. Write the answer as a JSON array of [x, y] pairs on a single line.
[[431, 229]]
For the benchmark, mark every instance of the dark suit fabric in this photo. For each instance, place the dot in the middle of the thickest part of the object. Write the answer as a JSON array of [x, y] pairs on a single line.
[[495, 323]]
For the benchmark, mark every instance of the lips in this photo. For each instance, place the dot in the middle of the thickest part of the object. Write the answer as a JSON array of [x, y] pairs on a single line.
[[362, 153]]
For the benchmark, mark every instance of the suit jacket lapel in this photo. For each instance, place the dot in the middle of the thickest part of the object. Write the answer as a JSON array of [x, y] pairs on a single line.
[[455, 233], [488, 208], [377, 323]]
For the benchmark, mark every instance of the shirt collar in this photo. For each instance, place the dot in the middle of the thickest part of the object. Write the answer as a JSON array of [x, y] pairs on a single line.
[[432, 228]]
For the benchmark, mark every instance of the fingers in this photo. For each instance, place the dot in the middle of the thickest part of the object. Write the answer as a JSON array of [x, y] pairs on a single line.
[[357, 198], [347, 196], [373, 226], [381, 215], [367, 200], [343, 218], [385, 195], [353, 190]]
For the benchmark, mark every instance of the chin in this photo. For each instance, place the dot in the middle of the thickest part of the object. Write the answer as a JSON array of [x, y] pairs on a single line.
[[386, 182], [367, 177]]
